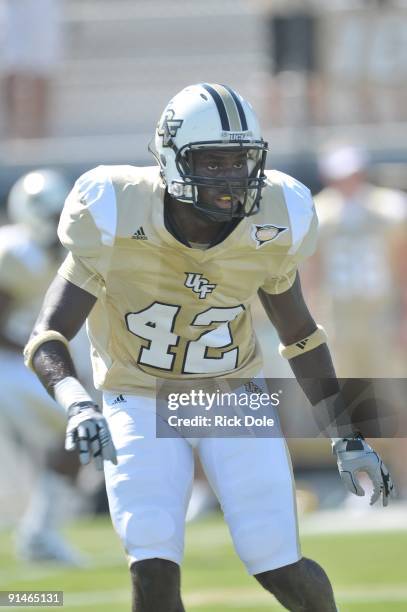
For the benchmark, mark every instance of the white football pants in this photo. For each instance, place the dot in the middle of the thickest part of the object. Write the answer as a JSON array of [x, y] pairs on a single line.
[[149, 489]]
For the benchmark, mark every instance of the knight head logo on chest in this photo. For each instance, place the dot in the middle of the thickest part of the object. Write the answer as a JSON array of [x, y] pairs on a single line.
[[198, 284]]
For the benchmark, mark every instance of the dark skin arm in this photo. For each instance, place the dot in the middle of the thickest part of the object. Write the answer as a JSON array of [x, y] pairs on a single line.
[[65, 309], [292, 320]]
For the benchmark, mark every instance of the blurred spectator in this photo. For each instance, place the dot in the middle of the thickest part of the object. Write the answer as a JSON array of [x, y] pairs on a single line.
[[359, 272], [363, 60], [293, 47], [32, 53], [337, 62]]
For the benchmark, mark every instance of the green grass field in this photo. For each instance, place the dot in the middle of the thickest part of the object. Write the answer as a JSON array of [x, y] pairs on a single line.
[[368, 571]]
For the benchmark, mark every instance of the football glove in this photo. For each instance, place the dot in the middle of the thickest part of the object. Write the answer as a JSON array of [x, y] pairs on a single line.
[[88, 431], [355, 455]]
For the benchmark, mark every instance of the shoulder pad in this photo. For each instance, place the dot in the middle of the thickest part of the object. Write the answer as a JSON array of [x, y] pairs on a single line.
[[89, 217], [300, 209]]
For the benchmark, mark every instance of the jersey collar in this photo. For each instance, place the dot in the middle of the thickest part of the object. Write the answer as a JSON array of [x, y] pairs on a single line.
[[166, 229]]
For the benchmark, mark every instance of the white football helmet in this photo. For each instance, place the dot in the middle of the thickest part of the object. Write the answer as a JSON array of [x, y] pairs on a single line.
[[210, 116], [36, 201]]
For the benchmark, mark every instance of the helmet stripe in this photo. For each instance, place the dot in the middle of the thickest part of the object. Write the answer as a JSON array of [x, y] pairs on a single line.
[[239, 107], [219, 105], [232, 112]]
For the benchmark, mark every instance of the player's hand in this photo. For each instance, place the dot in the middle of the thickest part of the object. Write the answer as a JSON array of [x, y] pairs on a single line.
[[355, 455], [88, 431]]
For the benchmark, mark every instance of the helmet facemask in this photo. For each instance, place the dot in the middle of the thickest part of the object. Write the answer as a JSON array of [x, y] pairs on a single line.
[[244, 193]]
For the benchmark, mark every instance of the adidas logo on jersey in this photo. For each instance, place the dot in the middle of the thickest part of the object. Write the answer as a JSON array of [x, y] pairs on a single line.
[[119, 399], [198, 284], [139, 234]]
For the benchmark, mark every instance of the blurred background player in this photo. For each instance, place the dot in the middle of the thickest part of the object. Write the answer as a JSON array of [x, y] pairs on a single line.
[[358, 278], [29, 257], [359, 271]]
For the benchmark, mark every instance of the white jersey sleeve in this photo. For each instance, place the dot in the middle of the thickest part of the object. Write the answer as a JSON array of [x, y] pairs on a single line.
[[301, 238], [87, 228]]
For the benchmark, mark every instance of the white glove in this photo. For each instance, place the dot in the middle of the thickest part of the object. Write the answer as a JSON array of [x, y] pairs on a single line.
[[355, 455], [88, 431]]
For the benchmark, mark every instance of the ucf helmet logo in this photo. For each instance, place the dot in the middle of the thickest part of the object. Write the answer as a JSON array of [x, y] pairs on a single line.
[[169, 127]]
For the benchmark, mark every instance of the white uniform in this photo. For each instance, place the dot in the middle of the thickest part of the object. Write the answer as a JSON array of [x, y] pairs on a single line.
[[26, 270], [167, 311]]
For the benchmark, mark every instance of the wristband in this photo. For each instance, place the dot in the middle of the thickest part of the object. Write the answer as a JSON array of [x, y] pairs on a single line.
[[69, 391], [34, 344], [303, 346]]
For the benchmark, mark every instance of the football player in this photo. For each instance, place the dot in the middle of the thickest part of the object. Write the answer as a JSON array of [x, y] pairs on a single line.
[[164, 262], [29, 257]]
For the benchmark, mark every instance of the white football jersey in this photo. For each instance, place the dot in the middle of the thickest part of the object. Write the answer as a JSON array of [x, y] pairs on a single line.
[[166, 310]]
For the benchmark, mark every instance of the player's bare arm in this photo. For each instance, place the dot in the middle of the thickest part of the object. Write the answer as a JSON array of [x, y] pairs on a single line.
[[65, 309], [315, 373], [293, 322]]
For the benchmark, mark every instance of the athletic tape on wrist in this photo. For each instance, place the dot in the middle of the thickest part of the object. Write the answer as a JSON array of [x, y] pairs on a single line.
[[300, 347], [69, 391], [35, 343]]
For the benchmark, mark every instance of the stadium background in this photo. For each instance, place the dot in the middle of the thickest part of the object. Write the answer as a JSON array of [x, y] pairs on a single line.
[[315, 72]]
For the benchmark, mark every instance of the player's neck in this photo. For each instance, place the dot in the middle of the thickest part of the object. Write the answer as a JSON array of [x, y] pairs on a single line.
[[193, 227]]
